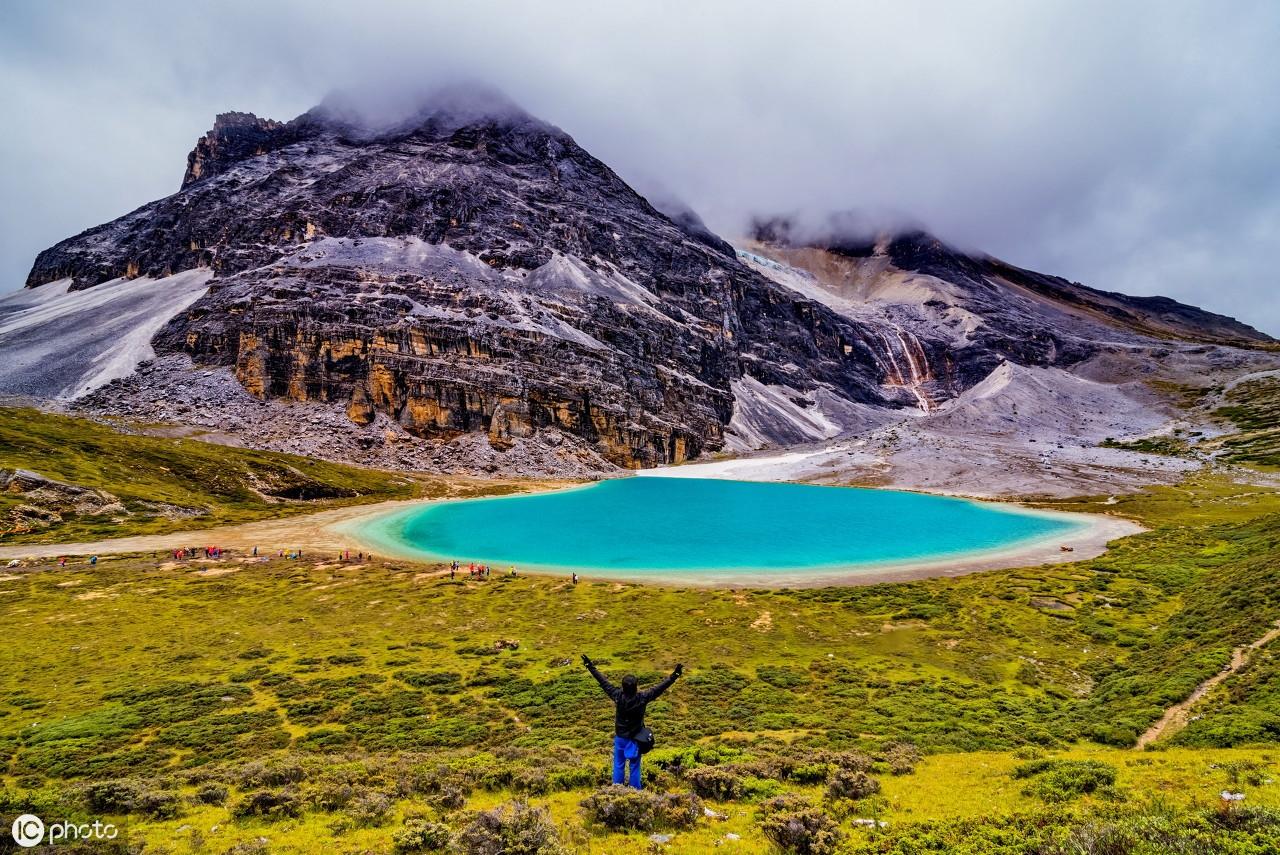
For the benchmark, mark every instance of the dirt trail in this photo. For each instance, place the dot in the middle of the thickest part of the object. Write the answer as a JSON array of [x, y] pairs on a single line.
[[314, 531], [1175, 717], [317, 530]]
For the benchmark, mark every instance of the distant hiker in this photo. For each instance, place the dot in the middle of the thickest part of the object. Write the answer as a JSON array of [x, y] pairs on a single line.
[[255, 552], [628, 718], [575, 578]]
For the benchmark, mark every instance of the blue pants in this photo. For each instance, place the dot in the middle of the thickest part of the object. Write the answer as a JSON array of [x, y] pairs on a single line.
[[625, 750]]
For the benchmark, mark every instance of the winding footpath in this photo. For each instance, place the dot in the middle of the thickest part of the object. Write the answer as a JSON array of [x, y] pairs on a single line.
[[1176, 717]]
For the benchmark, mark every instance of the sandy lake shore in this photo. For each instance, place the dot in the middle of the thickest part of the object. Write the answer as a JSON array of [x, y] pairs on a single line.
[[340, 528]]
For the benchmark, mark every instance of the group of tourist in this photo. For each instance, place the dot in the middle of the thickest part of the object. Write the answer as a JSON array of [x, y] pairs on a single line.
[[195, 552], [475, 571], [482, 571]]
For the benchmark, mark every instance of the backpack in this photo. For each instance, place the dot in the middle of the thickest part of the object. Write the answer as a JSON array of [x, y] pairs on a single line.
[[643, 739]]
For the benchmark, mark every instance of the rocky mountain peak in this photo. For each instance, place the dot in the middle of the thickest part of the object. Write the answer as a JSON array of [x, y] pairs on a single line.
[[234, 137], [454, 270]]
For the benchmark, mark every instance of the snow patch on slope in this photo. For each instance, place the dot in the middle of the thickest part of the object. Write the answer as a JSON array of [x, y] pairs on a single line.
[[57, 343], [765, 415], [1046, 403]]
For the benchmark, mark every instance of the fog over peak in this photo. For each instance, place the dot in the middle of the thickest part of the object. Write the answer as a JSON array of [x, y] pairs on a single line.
[[1131, 148], [396, 104]]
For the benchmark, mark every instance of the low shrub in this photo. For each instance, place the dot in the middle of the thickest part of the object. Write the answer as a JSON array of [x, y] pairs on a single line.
[[211, 793], [331, 796], [719, 783], [901, 757], [758, 789], [124, 796], [369, 808], [270, 774], [420, 835], [810, 773], [621, 808], [448, 797], [257, 846], [159, 804], [1064, 780], [793, 825], [511, 829], [577, 777], [530, 781], [851, 784], [113, 796], [268, 804]]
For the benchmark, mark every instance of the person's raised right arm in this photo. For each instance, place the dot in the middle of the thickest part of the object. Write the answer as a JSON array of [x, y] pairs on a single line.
[[609, 689], [653, 693]]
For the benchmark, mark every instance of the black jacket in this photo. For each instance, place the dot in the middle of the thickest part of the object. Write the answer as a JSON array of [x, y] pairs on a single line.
[[628, 716]]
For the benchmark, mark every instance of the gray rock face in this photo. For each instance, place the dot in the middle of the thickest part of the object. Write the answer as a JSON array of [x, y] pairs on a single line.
[[465, 274], [947, 319], [473, 271]]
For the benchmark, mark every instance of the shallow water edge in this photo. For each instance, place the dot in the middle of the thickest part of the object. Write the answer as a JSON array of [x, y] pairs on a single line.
[[382, 531]]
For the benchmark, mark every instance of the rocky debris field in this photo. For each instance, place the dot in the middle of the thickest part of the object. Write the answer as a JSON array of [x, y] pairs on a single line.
[[215, 407]]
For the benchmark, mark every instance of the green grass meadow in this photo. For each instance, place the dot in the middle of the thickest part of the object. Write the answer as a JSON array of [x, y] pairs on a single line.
[[331, 706]]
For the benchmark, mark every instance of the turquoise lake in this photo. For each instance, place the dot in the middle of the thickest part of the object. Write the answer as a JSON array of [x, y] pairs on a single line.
[[714, 531]]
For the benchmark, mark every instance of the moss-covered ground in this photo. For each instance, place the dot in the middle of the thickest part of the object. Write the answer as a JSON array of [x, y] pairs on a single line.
[[319, 704], [165, 485]]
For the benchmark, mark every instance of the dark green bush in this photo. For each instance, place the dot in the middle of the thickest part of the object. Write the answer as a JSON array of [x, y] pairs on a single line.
[[275, 773], [810, 773], [113, 796], [1064, 780]]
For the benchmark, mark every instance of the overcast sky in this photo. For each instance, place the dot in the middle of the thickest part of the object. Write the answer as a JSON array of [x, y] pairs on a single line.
[[1133, 146]]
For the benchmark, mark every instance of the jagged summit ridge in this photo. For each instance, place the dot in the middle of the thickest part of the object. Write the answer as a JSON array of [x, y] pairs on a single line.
[[911, 248], [236, 136]]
